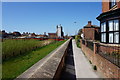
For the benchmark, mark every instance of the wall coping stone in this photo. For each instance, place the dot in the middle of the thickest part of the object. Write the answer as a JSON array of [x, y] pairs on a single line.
[[46, 67]]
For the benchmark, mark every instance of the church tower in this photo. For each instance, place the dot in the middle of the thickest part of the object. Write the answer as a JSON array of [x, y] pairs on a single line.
[[59, 31]]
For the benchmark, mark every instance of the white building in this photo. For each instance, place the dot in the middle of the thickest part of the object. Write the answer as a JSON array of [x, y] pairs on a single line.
[[59, 31]]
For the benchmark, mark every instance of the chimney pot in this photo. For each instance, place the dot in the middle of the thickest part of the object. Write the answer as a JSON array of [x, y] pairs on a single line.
[[89, 23]]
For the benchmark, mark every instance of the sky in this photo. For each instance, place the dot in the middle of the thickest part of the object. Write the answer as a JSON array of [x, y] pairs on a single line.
[[40, 17]]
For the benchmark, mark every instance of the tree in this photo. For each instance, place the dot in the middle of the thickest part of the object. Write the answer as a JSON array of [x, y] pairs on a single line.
[[80, 32]]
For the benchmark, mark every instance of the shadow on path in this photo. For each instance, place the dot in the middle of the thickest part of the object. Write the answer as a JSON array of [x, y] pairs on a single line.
[[69, 71]]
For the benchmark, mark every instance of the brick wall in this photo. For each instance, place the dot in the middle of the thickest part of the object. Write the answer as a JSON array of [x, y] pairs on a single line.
[[89, 33], [104, 66], [106, 5], [88, 52], [118, 4], [107, 68]]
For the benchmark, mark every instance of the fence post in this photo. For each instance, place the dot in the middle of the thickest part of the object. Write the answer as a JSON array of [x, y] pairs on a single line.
[[95, 47], [85, 42]]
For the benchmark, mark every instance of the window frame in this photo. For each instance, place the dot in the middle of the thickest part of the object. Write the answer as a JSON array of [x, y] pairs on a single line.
[[118, 37], [103, 38], [112, 3], [112, 37], [114, 31], [103, 31]]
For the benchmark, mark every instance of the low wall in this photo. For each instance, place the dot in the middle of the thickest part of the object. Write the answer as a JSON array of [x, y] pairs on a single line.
[[88, 52], [106, 67], [49, 67]]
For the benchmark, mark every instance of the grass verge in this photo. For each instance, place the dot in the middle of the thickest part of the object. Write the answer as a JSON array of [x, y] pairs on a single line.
[[17, 65]]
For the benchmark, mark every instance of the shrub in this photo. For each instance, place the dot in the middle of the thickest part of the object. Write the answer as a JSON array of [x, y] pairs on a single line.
[[90, 62], [95, 67]]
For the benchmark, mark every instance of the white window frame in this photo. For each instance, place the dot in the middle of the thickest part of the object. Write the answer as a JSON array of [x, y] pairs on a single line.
[[116, 25], [116, 37], [110, 24], [103, 37], [111, 40]]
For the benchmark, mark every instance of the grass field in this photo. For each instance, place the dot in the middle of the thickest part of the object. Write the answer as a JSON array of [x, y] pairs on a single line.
[[17, 65], [11, 48]]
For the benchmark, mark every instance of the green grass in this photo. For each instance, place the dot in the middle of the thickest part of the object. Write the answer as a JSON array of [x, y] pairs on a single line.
[[17, 65], [11, 48]]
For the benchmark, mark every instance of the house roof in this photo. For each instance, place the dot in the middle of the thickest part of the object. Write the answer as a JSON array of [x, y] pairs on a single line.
[[92, 26], [52, 34], [109, 13], [89, 25]]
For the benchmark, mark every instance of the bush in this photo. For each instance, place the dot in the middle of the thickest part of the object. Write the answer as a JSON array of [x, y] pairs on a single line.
[[90, 62], [77, 39], [95, 67]]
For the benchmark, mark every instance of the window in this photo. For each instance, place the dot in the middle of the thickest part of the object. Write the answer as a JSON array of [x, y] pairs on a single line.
[[113, 31], [110, 33], [110, 24], [103, 27], [103, 30], [103, 37], [116, 25], [112, 3], [116, 37], [110, 37]]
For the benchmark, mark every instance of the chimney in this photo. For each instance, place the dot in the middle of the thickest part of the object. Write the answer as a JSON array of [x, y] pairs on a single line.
[[89, 23]]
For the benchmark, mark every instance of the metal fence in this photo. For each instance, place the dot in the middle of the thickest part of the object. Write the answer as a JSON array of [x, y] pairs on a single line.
[[111, 53], [90, 45]]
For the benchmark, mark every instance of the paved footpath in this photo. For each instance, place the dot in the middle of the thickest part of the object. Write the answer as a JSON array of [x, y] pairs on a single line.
[[83, 68]]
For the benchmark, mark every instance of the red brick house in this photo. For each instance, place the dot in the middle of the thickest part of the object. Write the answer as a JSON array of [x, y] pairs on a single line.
[[105, 55], [42, 35], [110, 21], [52, 35], [91, 32]]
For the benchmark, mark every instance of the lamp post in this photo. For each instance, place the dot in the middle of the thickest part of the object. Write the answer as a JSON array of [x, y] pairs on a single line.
[[76, 28]]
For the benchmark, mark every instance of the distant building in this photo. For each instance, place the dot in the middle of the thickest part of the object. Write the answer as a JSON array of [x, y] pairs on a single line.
[[42, 35], [60, 31], [26, 34], [16, 34], [52, 35], [91, 32], [3, 34]]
